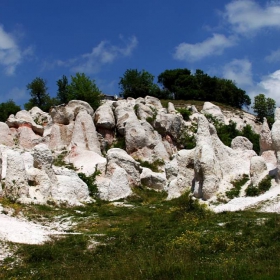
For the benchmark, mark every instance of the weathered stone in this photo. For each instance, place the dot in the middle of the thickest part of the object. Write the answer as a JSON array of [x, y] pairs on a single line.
[[257, 168], [265, 138], [16, 183], [211, 109], [241, 143], [153, 180], [5, 135]]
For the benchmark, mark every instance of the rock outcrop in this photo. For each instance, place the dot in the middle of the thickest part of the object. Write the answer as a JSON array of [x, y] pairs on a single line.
[[80, 139]]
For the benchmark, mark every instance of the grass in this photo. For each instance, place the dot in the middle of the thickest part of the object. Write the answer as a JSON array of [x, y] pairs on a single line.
[[154, 166], [237, 185], [156, 239], [263, 186]]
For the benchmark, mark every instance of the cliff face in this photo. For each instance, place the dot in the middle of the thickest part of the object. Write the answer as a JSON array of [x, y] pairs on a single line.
[[130, 143]]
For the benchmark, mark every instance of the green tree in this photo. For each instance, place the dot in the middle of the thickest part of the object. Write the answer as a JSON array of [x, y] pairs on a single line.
[[8, 108], [199, 86], [85, 89], [136, 84], [264, 107], [39, 96], [63, 91]]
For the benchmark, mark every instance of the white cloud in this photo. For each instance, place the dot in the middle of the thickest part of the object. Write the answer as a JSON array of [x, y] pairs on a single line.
[[270, 86], [247, 15], [104, 53], [10, 53], [211, 46], [240, 71], [274, 56]]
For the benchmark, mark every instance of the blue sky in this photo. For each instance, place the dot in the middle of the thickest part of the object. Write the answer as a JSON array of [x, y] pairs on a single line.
[[238, 40]]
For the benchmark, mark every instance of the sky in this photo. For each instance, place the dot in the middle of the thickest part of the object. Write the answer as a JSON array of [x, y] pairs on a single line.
[[237, 40]]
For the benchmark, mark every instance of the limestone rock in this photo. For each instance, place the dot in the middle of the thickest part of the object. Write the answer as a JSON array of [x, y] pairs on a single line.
[[84, 161], [153, 101], [180, 173], [171, 108], [241, 143], [153, 180], [122, 159], [265, 138], [215, 111], [257, 168], [70, 188], [170, 124], [116, 187], [24, 119], [84, 133], [104, 116], [5, 135], [40, 117], [124, 112], [16, 183]]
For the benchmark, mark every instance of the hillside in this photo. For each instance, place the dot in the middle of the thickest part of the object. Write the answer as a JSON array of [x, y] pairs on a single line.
[[96, 173]]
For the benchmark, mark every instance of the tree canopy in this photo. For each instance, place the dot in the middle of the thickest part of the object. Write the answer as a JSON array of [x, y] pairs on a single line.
[[39, 95], [182, 84], [62, 91], [136, 84], [83, 88], [264, 107], [8, 108]]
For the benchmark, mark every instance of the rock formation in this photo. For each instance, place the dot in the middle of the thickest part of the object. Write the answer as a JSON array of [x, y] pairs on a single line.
[[37, 149]]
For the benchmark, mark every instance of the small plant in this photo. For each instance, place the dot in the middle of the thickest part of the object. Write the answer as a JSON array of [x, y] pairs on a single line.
[[153, 166], [263, 186], [153, 118], [237, 185], [119, 143], [90, 181], [185, 113]]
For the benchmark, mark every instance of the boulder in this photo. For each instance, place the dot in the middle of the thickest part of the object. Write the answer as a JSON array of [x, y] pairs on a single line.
[[60, 136], [24, 119], [257, 169], [171, 108], [180, 173], [120, 158], [211, 109], [150, 100], [16, 181], [153, 180], [40, 117], [84, 161], [115, 187], [70, 188], [241, 143], [6, 137], [84, 133]]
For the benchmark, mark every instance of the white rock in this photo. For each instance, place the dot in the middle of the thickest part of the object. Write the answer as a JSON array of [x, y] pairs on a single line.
[[265, 138], [153, 180], [70, 188], [84, 133], [16, 184], [241, 143], [215, 111], [257, 168], [116, 187], [5, 135]]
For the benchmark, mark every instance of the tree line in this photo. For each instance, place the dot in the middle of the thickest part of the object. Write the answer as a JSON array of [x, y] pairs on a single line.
[[178, 84]]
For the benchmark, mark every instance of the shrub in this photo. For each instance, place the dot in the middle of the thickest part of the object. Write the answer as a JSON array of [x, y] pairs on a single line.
[[90, 181], [237, 185], [153, 166], [263, 186], [185, 113]]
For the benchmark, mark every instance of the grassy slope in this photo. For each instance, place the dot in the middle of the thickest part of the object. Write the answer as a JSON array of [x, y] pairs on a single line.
[[156, 239]]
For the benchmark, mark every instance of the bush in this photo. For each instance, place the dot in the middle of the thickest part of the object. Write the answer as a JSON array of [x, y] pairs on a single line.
[[90, 181], [237, 185], [185, 113], [263, 186]]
